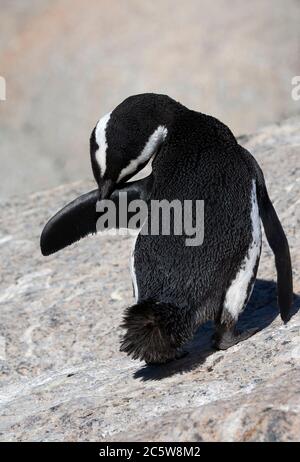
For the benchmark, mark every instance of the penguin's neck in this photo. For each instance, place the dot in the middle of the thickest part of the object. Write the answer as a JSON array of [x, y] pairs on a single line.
[[203, 131]]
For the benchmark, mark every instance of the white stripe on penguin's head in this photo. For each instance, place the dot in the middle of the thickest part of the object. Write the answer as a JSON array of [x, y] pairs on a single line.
[[151, 146], [100, 137]]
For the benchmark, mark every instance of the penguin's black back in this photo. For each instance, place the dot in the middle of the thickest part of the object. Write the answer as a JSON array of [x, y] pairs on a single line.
[[200, 160]]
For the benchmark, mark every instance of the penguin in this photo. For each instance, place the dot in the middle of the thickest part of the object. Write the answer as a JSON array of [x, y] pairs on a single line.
[[178, 287]]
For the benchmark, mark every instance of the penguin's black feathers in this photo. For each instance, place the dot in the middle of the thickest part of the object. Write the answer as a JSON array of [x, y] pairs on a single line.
[[155, 331]]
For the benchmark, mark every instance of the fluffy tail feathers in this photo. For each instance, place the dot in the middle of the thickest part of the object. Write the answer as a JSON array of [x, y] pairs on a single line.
[[155, 331]]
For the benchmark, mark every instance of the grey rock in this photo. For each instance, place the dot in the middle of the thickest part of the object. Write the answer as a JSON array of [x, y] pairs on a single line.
[[62, 375]]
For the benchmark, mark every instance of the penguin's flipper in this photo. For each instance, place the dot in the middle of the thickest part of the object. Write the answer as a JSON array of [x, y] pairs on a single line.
[[79, 218], [280, 247], [75, 221]]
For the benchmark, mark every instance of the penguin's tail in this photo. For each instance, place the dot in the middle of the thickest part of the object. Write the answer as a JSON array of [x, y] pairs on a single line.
[[155, 331], [280, 247]]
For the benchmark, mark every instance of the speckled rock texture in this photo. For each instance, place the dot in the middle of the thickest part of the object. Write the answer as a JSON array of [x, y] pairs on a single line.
[[62, 375]]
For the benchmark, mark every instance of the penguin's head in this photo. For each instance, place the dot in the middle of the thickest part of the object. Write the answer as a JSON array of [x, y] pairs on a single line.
[[125, 140]]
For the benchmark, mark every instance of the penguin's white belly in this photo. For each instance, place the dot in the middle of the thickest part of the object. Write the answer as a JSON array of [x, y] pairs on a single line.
[[239, 291]]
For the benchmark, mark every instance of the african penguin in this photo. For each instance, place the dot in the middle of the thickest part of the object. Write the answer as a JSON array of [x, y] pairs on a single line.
[[179, 287]]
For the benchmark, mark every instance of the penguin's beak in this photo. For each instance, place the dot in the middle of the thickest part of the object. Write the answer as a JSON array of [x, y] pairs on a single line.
[[106, 189]]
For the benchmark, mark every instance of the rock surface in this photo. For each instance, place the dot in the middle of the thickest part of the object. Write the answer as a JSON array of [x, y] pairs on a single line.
[[62, 375], [66, 64]]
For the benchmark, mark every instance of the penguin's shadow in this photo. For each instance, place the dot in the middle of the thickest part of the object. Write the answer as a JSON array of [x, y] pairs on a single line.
[[261, 310]]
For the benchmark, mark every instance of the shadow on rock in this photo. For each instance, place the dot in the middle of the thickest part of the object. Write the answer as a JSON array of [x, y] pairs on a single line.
[[260, 312]]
